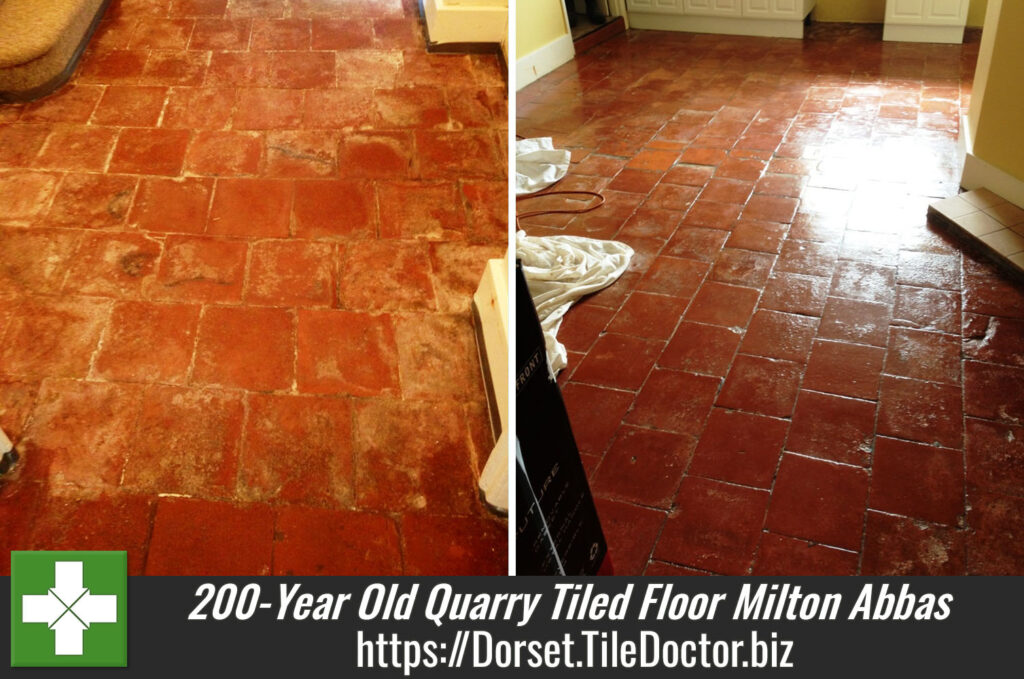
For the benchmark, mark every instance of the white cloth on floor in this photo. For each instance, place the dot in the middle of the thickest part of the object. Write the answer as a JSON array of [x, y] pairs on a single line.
[[560, 270], [539, 164]]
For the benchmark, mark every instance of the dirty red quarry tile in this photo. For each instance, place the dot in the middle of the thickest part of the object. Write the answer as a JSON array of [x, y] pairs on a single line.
[[334, 209], [740, 448], [195, 108], [995, 520], [819, 501], [314, 541], [437, 356], [457, 155], [742, 267], [186, 441], [631, 532], [929, 270], [921, 411], [92, 201], [404, 285], [268, 109], [377, 155], [291, 273], [17, 398], [150, 151], [700, 348], [643, 466], [342, 33], [993, 340], [27, 194], [844, 369], [635, 180], [239, 69], [112, 265], [923, 355], [148, 343], [35, 259], [115, 521], [646, 315], [197, 8], [919, 481], [727, 191], [224, 154], [779, 335], [220, 34], [992, 295], [595, 414], [383, 68], [72, 104], [338, 109], [604, 366], [413, 456], [895, 545], [77, 148], [245, 347], [712, 215], [301, 153], [715, 526], [397, 33], [781, 185], [454, 545], [153, 33], [781, 555], [807, 257], [53, 337], [994, 459], [761, 385], [720, 304], [795, 294], [757, 236], [235, 540], [280, 34], [172, 205], [582, 325], [82, 431], [19, 144], [297, 449], [864, 281], [424, 210], [993, 392], [487, 207], [651, 223], [688, 175], [855, 321], [833, 428], [458, 268], [200, 269], [341, 352], [130, 106], [672, 276], [410, 107], [301, 70], [674, 401], [258, 208]]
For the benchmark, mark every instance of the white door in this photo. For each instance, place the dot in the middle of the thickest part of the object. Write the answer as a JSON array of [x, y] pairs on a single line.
[[718, 8], [773, 9]]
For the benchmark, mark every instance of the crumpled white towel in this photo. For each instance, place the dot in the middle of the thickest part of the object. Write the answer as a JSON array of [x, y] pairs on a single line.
[[561, 269], [539, 164]]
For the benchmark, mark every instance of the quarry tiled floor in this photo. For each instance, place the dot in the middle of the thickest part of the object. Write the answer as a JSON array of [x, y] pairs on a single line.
[[237, 254], [798, 374]]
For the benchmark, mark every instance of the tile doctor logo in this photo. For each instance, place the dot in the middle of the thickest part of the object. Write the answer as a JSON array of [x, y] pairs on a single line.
[[69, 609]]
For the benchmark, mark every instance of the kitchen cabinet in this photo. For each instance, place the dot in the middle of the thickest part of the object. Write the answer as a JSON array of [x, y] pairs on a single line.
[[925, 20], [771, 18]]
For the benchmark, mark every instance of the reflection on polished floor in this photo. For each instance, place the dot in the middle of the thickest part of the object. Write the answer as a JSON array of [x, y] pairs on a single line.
[[798, 374], [237, 254]]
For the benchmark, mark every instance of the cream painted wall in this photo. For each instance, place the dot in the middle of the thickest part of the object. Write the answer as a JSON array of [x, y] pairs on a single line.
[[538, 22], [873, 11], [996, 113]]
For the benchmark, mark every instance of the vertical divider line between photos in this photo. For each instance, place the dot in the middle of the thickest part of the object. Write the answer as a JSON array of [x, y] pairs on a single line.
[[510, 60]]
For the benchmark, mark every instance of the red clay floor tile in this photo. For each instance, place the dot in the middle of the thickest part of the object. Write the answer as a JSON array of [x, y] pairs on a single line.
[[844, 369], [291, 273], [315, 541], [643, 466], [700, 348], [245, 347], [595, 414], [631, 531], [895, 545], [200, 269], [740, 448], [147, 342], [921, 411], [833, 428], [674, 401], [765, 386], [923, 355], [454, 545], [994, 459], [779, 335], [251, 208], [437, 356], [781, 555], [604, 366], [918, 481]]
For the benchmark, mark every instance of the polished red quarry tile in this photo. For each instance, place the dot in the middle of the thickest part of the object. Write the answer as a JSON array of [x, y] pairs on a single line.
[[712, 215], [235, 540], [251, 207], [696, 243], [720, 304], [196, 268], [781, 555], [770, 208], [598, 166], [301, 153], [796, 294], [855, 321], [199, 108], [77, 148], [921, 411], [919, 481], [927, 309], [993, 340], [995, 521], [403, 284], [595, 414], [819, 501], [993, 392], [53, 337], [672, 276], [647, 315], [688, 175], [651, 159], [268, 109], [715, 526], [894, 545], [761, 385], [844, 369], [742, 267], [671, 197], [604, 366], [334, 209], [291, 273], [757, 236], [674, 401], [315, 541], [437, 356], [147, 342], [245, 347], [280, 34], [643, 466], [833, 428], [807, 257], [186, 441], [92, 201], [35, 260], [341, 33], [779, 335], [635, 180], [727, 191], [224, 154], [81, 433], [740, 448], [696, 155], [582, 325], [340, 352], [127, 105], [781, 185], [447, 545], [413, 456], [430, 210], [172, 205], [631, 532], [994, 460], [118, 522], [220, 34], [410, 107], [150, 151], [929, 270], [379, 155], [923, 355], [651, 223], [297, 449]]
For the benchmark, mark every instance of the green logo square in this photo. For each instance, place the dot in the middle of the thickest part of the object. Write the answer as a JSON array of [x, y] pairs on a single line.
[[69, 609]]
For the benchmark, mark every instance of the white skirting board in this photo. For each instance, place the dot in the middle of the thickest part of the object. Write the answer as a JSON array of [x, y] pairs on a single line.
[[765, 28], [542, 61], [491, 304], [979, 174], [454, 21]]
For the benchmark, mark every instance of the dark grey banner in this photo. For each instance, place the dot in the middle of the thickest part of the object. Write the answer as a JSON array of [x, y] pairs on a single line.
[[437, 627]]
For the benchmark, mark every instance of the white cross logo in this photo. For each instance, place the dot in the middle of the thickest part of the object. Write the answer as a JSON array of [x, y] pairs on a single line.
[[68, 608]]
